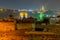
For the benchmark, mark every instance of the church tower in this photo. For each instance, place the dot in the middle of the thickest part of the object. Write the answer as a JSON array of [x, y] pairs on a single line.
[[42, 9]]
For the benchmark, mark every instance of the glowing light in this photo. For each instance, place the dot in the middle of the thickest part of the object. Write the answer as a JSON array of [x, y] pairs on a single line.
[[39, 16], [30, 10], [26, 15], [54, 15], [23, 14], [1, 9], [43, 8]]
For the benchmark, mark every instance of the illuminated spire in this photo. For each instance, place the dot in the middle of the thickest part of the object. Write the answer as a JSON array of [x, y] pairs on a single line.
[[42, 9]]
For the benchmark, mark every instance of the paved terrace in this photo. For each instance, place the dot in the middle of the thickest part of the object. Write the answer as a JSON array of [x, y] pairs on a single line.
[[24, 32]]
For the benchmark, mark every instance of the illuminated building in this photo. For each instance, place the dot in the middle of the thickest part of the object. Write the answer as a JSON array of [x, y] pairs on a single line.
[[23, 14]]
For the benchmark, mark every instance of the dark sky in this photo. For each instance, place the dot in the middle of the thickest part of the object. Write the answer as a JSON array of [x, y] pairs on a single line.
[[30, 4]]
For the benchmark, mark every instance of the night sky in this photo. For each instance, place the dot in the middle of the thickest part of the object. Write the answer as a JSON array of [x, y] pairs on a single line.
[[30, 4]]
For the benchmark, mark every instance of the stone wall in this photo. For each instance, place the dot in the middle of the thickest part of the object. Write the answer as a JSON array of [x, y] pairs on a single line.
[[14, 36], [27, 26], [52, 28]]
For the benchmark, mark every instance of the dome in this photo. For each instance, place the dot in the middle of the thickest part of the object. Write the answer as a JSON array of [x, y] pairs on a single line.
[[23, 14]]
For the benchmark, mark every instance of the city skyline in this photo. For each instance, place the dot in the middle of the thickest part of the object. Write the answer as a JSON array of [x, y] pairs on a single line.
[[30, 4]]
